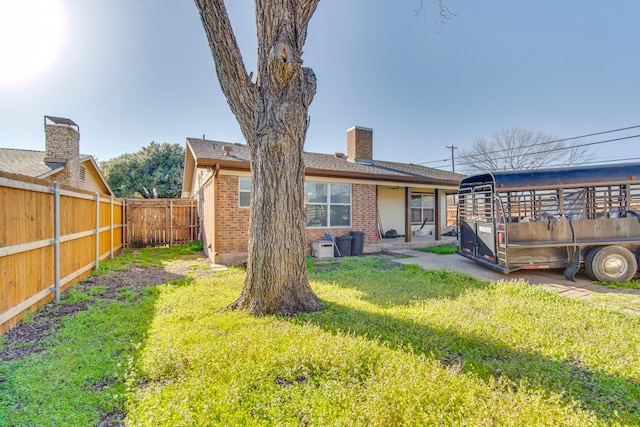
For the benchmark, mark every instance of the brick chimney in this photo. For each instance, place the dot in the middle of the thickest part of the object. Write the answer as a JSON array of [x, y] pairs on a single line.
[[62, 140], [359, 143]]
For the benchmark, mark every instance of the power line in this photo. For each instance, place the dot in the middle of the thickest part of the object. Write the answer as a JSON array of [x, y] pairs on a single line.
[[595, 162], [541, 143], [435, 161], [470, 171], [477, 156], [565, 139]]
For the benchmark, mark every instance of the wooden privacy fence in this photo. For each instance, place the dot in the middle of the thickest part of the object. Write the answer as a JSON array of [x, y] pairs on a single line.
[[160, 222], [50, 237]]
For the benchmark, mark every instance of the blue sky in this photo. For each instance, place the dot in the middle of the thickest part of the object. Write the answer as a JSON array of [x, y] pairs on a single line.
[[132, 72]]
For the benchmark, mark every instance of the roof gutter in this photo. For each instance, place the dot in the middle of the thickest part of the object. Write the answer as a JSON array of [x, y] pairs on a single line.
[[236, 166], [374, 177], [233, 165]]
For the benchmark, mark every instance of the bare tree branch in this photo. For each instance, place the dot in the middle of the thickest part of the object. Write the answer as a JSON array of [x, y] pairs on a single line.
[[519, 149], [232, 74], [444, 13]]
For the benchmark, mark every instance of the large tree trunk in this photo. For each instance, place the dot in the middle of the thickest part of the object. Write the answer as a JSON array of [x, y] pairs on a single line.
[[272, 114], [276, 280]]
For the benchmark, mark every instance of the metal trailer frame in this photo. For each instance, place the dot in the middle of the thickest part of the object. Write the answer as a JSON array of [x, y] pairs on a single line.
[[553, 218]]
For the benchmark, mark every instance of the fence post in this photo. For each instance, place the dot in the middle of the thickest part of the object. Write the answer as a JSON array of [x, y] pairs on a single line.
[[191, 232], [111, 227], [56, 241], [170, 223], [97, 230], [125, 223]]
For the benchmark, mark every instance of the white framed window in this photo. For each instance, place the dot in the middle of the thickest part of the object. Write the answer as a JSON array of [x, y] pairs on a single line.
[[244, 192], [422, 208], [327, 204]]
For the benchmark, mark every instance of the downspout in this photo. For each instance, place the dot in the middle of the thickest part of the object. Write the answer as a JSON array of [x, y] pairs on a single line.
[[214, 175]]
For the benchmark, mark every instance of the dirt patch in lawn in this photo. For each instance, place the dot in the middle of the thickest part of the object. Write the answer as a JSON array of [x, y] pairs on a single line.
[[30, 335]]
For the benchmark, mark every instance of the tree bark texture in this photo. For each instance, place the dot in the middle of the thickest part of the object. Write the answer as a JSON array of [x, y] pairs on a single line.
[[273, 117]]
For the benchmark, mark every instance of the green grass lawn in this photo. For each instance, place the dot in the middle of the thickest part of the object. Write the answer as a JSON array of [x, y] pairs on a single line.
[[395, 345], [80, 376], [440, 249], [633, 284]]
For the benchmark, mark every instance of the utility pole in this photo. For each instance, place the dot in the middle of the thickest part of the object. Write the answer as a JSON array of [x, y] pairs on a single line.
[[453, 160]]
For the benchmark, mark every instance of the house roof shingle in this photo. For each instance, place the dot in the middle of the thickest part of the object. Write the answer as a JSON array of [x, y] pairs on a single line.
[[29, 162], [208, 152]]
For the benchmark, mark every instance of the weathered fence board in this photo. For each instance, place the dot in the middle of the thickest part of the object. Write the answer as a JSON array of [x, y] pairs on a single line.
[[160, 222], [90, 230]]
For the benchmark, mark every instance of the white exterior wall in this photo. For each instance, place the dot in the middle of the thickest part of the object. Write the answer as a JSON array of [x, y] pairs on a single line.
[[92, 181], [391, 205], [391, 208]]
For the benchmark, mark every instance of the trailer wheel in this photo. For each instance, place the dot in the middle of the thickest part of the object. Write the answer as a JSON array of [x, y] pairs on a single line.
[[611, 264], [588, 262]]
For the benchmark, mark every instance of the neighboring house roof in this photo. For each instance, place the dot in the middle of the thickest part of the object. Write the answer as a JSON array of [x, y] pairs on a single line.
[[31, 163], [27, 162], [236, 156]]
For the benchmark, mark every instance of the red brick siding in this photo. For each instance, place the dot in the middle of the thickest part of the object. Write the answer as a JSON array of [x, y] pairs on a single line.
[[360, 143], [364, 216], [232, 222]]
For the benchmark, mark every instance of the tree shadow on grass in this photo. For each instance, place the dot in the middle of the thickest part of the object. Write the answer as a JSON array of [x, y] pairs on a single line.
[[79, 332], [402, 283], [609, 398]]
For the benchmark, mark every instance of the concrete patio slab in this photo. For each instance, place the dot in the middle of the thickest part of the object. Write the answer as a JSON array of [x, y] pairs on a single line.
[[552, 280]]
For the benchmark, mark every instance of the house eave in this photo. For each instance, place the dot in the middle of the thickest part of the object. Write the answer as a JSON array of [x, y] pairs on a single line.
[[51, 172], [93, 163], [323, 173], [226, 165], [190, 167], [379, 177]]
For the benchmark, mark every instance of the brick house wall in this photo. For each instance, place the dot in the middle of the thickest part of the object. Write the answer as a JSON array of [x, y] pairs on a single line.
[[364, 216], [227, 231], [61, 177], [231, 221], [360, 143]]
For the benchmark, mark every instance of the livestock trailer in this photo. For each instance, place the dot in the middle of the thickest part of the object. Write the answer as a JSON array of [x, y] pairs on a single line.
[[564, 218]]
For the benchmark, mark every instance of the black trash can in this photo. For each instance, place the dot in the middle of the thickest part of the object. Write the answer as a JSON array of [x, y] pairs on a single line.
[[344, 245], [357, 245]]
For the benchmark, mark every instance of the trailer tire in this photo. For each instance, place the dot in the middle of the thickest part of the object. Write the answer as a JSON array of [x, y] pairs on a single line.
[[588, 261], [611, 264]]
